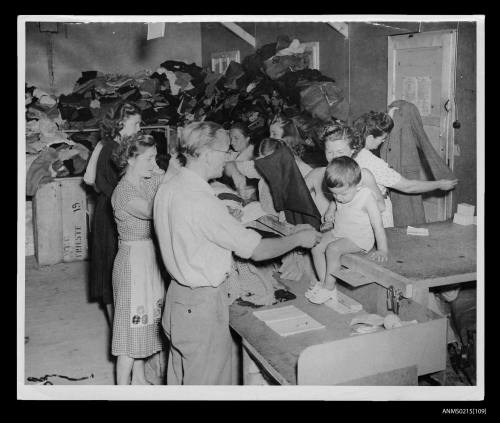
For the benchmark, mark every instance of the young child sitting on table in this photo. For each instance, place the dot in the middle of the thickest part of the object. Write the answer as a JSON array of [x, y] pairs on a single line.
[[356, 219]]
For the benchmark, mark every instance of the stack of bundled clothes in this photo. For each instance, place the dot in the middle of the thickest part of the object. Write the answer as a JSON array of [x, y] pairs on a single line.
[[49, 151], [275, 79]]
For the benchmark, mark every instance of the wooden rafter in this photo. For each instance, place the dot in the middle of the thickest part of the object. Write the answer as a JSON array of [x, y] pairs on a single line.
[[342, 27], [240, 32]]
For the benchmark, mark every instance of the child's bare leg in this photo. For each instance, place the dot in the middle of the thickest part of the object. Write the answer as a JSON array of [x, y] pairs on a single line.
[[333, 253], [319, 258]]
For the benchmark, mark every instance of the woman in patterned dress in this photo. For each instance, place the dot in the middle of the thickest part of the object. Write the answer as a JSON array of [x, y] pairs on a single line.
[[138, 288]]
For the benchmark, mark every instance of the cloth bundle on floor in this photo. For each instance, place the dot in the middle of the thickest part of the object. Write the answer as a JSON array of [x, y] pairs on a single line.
[[401, 151]]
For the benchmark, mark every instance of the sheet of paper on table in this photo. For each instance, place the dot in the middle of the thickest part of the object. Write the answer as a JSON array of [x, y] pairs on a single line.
[[417, 231], [288, 320]]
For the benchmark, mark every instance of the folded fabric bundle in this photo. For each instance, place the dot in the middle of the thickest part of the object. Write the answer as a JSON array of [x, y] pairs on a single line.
[[324, 100], [40, 170], [294, 48], [87, 76], [277, 66], [150, 85]]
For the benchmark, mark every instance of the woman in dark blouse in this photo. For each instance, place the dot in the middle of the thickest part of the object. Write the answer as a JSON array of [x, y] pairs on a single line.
[[122, 120]]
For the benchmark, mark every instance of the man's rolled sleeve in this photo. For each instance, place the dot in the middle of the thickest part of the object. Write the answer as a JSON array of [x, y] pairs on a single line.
[[227, 232]]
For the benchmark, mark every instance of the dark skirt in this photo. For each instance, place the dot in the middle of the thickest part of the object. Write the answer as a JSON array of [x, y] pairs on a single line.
[[104, 246]]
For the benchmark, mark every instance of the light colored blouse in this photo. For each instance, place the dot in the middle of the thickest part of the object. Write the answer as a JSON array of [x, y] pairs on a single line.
[[385, 177]]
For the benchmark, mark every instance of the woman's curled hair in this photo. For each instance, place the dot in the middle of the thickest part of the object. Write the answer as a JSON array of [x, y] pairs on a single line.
[[130, 146], [341, 131], [112, 123]]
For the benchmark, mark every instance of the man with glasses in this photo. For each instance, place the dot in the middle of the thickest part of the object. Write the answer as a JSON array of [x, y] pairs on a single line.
[[197, 238]]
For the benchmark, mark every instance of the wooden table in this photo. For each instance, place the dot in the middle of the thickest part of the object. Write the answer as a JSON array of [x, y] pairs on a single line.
[[446, 257]]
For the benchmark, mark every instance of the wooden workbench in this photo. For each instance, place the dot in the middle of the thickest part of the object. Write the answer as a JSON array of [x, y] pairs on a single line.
[[279, 356], [446, 257], [416, 263]]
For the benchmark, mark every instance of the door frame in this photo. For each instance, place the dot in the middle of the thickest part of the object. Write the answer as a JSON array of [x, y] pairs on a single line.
[[447, 39]]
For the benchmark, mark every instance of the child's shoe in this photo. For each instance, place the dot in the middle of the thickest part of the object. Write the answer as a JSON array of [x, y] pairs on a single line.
[[322, 295], [312, 290]]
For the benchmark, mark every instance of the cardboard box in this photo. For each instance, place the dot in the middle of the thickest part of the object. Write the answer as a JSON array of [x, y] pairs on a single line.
[[465, 209], [463, 220], [60, 221]]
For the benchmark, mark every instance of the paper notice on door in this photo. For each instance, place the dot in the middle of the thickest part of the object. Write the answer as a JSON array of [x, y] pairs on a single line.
[[424, 86], [417, 90], [410, 89]]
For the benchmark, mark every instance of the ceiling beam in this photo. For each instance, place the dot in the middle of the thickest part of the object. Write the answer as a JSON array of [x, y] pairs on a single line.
[[240, 32], [341, 27]]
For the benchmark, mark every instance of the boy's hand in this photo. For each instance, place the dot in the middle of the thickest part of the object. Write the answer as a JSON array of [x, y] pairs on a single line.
[[329, 215], [379, 255]]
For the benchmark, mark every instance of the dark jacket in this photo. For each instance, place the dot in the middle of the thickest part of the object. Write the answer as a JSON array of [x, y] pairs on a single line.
[[401, 151], [288, 188]]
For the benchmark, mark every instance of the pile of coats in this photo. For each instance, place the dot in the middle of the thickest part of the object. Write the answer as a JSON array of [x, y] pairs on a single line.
[[275, 79], [49, 151]]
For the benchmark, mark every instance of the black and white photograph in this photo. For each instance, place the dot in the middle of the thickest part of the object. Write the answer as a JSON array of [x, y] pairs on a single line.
[[237, 207]]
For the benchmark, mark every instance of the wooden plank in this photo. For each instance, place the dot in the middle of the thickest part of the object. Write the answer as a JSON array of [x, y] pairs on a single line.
[[46, 224], [370, 354], [372, 272], [406, 376], [240, 32]]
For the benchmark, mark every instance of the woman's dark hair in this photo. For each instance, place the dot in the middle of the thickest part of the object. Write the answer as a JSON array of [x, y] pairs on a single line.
[[341, 131], [130, 146], [162, 156], [342, 172], [112, 123], [291, 135], [240, 126], [374, 124], [268, 146]]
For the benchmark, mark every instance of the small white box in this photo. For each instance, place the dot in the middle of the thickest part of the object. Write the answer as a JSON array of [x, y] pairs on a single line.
[[463, 220], [465, 209]]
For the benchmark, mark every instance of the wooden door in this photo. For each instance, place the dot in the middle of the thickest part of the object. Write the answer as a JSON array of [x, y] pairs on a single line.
[[422, 71]]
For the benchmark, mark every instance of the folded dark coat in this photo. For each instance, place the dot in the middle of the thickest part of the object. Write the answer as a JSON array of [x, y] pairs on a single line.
[[288, 188], [401, 152]]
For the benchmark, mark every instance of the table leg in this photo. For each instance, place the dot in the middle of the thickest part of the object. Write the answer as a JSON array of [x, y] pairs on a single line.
[[421, 295], [251, 373]]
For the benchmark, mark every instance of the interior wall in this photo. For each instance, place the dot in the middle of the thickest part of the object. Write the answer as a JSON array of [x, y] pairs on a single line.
[[368, 80], [106, 47]]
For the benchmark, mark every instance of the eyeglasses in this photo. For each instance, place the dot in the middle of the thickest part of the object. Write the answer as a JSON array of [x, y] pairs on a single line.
[[221, 151]]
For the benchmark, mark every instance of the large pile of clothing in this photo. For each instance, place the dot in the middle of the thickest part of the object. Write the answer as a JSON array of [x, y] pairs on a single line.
[[275, 79], [49, 151]]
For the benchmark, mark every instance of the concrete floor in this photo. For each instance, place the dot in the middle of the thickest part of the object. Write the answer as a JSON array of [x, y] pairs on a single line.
[[67, 335]]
